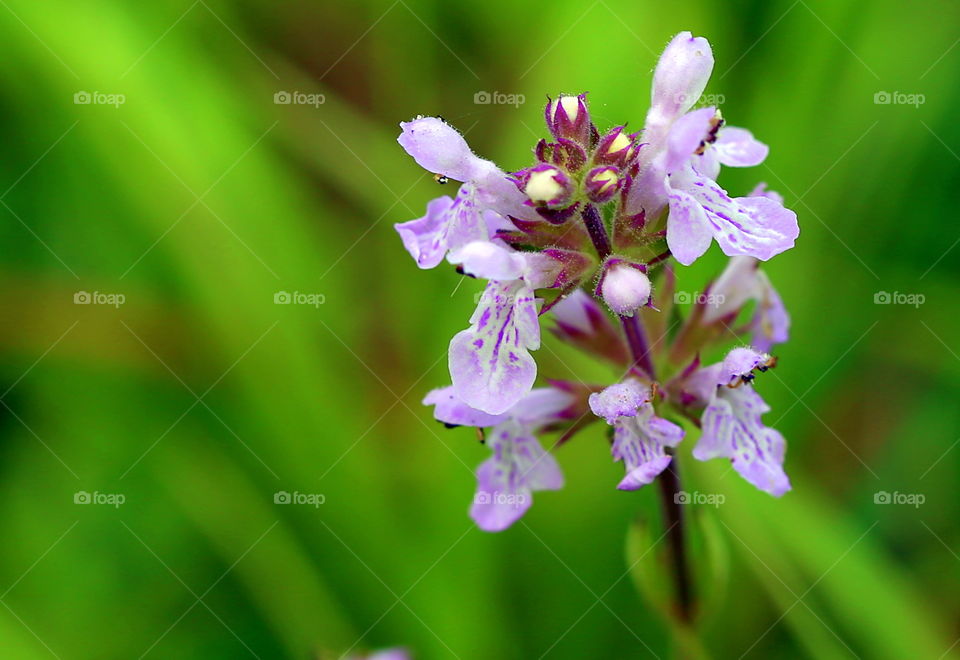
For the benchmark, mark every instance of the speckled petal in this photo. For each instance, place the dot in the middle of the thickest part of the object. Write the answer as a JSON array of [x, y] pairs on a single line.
[[732, 429], [754, 226], [639, 442], [506, 480], [490, 362]]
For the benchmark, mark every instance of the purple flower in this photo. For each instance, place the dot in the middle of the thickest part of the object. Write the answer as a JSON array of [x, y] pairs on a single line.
[[480, 207], [639, 435], [741, 282], [731, 421], [602, 217], [519, 464], [490, 362], [682, 157]]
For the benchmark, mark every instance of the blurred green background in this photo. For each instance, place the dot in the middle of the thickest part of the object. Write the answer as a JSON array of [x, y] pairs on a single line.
[[199, 198]]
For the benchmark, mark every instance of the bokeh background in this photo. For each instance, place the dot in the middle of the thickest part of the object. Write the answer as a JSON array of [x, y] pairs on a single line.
[[198, 198]]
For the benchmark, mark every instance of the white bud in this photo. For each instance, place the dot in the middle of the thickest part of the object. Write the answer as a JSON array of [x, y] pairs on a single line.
[[625, 289], [571, 105], [621, 141], [542, 187]]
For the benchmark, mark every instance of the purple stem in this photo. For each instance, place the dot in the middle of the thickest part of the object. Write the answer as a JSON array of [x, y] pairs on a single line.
[[637, 338], [598, 233]]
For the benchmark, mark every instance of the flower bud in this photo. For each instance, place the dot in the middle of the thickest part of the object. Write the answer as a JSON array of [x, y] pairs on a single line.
[[624, 286], [616, 147], [567, 117], [602, 183], [546, 186]]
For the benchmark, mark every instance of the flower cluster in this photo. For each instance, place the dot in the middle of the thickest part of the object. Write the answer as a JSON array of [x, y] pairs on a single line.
[[587, 239]]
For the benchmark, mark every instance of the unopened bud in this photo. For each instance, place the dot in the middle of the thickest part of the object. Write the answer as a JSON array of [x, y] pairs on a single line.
[[624, 287], [602, 183], [616, 147], [567, 117], [545, 185]]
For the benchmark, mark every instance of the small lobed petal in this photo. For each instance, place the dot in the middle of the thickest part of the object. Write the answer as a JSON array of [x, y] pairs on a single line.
[[740, 362], [425, 238], [736, 147], [619, 400], [688, 232], [450, 410], [639, 442]]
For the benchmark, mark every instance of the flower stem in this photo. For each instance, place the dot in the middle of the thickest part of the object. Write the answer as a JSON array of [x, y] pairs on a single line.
[[596, 229], [669, 479], [669, 482], [637, 338]]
